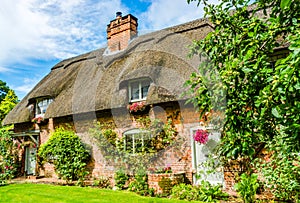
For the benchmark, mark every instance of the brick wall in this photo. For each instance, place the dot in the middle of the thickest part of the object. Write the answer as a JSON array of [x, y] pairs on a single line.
[[155, 179], [177, 156]]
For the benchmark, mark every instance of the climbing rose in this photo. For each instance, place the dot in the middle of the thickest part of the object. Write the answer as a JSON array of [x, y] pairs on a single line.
[[201, 136]]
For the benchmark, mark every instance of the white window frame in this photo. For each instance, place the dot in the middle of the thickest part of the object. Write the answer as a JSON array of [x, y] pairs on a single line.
[[139, 81], [132, 133], [43, 108]]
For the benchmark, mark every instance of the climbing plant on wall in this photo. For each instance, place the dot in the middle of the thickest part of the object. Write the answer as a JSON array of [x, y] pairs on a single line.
[[262, 91], [152, 137]]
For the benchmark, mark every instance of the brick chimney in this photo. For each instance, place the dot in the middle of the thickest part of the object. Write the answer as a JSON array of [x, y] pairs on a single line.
[[120, 31]]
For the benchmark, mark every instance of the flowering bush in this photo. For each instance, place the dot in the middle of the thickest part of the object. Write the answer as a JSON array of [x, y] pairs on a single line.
[[37, 119], [201, 136], [137, 106], [8, 157]]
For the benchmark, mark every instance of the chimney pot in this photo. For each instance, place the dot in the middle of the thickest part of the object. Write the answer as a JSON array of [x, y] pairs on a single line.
[[119, 14]]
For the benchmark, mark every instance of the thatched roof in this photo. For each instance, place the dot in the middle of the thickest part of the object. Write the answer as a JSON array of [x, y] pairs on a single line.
[[98, 80]]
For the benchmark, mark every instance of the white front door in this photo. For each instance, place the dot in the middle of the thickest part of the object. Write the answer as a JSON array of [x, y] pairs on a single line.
[[30, 160], [200, 153]]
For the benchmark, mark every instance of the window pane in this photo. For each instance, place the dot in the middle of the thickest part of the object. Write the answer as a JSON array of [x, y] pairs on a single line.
[[129, 142], [145, 88], [42, 106], [135, 91], [137, 141]]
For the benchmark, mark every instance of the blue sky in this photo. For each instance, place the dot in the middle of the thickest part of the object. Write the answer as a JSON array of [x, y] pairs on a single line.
[[37, 34]]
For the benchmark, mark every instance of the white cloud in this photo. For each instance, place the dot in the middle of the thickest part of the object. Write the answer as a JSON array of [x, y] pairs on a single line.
[[5, 70], [166, 13], [48, 29], [33, 32], [52, 28], [27, 85]]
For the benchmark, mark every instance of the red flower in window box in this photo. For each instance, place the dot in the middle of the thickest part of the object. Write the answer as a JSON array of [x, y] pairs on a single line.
[[38, 119], [136, 106], [201, 136]]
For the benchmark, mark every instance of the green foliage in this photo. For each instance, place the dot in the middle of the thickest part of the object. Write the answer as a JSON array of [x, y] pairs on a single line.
[[65, 150], [262, 92], [102, 182], [282, 169], [3, 90], [140, 184], [160, 135], [184, 192], [8, 157], [204, 192], [120, 179], [210, 193], [7, 104], [166, 184], [247, 187]]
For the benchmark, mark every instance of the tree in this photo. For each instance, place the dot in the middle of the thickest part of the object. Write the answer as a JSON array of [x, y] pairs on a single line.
[[262, 93], [3, 90], [7, 104]]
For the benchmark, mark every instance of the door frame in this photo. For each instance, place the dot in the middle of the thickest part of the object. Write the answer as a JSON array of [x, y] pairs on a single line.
[[194, 155], [30, 158], [23, 138]]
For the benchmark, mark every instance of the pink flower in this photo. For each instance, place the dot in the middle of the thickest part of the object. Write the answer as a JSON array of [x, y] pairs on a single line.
[[201, 136], [137, 106], [37, 119]]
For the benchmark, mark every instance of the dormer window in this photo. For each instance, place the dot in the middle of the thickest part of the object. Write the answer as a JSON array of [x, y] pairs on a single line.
[[138, 90], [41, 106]]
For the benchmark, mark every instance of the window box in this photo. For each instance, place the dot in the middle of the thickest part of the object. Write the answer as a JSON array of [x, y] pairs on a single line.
[[137, 107], [38, 119]]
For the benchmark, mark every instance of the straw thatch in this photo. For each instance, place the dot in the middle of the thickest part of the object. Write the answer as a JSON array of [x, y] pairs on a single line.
[[98, 80]]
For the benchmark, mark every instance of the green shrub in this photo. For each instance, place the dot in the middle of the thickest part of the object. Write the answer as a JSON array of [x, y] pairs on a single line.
[[247, 187], [184, 192], [102, 182], [65, 150], [120, 179], [140, 184], [204, 192], [211, 193]]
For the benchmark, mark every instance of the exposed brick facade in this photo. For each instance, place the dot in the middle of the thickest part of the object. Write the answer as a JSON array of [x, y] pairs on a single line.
[[179, 158]]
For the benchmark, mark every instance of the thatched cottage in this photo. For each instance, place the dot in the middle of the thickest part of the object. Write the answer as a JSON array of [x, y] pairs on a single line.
[[109, 85]]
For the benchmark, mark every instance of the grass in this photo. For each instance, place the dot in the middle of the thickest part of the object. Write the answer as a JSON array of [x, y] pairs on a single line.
[[42, 193]]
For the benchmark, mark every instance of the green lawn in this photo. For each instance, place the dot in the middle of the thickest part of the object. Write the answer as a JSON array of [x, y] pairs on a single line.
[[40, 193]]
